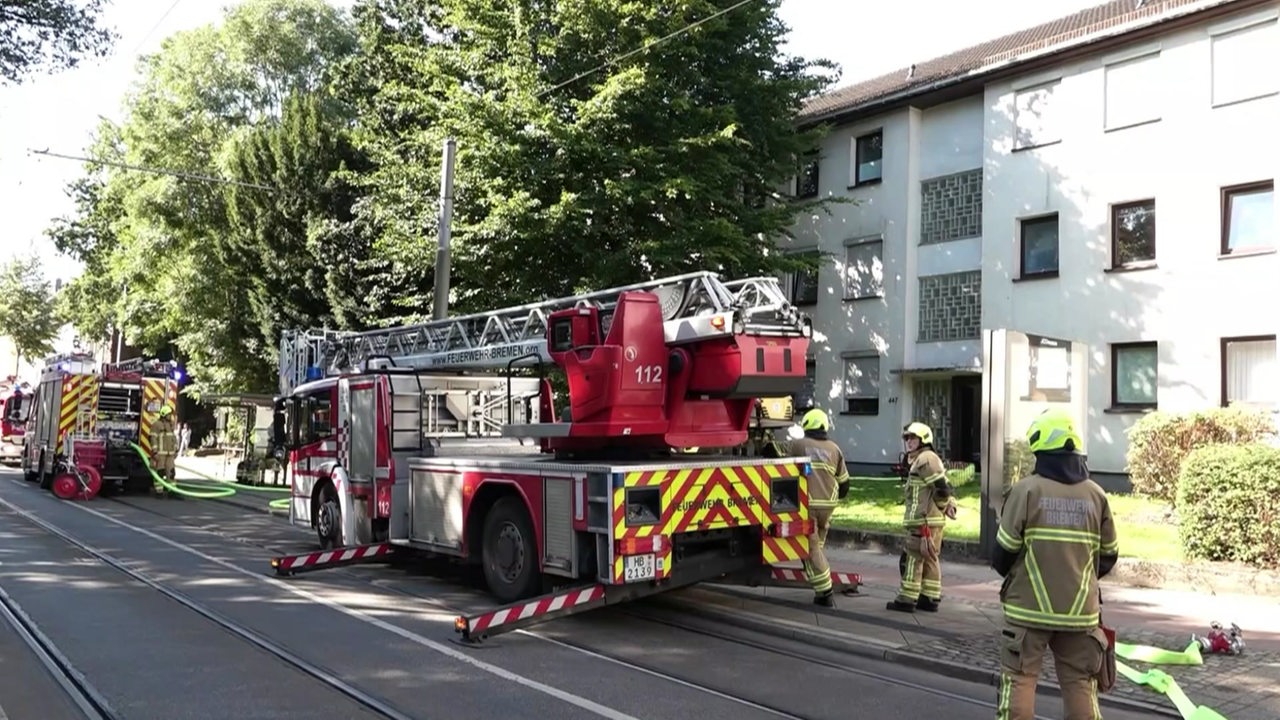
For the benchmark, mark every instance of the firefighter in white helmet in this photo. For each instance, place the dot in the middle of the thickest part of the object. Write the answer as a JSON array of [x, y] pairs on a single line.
[[928, 504], [828, 484], [1056, 539], [164, 447]]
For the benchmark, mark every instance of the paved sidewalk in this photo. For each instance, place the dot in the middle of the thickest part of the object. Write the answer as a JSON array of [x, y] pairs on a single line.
[[961, 639]]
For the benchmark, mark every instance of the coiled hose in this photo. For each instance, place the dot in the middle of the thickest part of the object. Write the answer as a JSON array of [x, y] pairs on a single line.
[[220, 489]]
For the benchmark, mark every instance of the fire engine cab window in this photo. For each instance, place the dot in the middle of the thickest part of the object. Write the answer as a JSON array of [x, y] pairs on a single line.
[[320, 417]]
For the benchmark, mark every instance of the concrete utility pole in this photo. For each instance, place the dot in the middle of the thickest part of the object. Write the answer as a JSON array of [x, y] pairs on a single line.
[[444, 231]]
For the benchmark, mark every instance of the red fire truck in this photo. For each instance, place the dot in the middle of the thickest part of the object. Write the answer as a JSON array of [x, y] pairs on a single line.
[[83, 417], [15, 403], [392, 449]]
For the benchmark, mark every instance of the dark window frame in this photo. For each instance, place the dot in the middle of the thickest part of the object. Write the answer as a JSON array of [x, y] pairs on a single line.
[[1224, 345], [1116, 350], [1023, 224], [1116, 210], [810, 160], [1228, 194], [858, 180], [868, 406], [816, 279]]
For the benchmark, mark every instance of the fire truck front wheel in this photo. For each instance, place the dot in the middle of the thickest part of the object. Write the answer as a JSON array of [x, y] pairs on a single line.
[[509, 552], [328, 518]]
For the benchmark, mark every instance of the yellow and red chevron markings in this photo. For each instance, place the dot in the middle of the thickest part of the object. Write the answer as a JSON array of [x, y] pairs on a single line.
[[711, 498], [76, 389]]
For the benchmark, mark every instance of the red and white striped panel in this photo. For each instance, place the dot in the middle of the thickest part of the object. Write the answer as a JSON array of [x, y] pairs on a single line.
[[797, 575], [534, 608], [310, 560]]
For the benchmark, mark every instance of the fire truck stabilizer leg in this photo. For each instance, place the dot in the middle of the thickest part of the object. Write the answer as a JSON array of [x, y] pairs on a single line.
[[789, 577], [287, 565], [475, 628]]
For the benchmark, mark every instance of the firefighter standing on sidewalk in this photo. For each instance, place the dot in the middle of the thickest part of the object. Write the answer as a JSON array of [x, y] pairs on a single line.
[[1056, 539], [828, 484], [164, 447], [928, 504]]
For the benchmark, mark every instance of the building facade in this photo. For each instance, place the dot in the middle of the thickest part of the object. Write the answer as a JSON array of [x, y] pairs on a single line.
[[1106, 179]]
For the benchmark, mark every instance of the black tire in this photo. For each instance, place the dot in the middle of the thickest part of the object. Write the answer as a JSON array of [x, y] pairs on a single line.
[[44, 478], [328, 518], [509, 552]]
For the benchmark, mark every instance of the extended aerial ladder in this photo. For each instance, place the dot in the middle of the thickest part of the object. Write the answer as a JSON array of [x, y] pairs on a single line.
[[695, 306]]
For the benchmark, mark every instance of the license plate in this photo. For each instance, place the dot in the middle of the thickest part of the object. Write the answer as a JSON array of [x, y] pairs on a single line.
[[639, 567]]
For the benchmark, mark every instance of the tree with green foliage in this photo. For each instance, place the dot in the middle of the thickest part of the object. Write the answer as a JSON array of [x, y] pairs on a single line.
[[50, 34], [569, 178], [29, 313], [179, 261]]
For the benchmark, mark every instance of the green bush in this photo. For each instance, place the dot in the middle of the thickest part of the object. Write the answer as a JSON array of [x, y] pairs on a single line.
[[961, 475], [1019, 462], [1229, 504], [1159, 442]]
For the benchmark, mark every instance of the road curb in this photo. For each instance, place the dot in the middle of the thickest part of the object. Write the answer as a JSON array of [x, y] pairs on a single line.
[[851, 644]]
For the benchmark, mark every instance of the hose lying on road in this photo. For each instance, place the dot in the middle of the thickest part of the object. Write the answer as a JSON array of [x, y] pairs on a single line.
[[218, 489]]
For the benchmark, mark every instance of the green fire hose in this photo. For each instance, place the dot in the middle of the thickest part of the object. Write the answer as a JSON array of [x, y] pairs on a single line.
[[1161, 681], [219, 489]]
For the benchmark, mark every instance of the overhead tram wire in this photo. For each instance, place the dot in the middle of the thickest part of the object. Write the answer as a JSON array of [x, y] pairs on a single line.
[[147, 37], [157, 171], [644, 47]]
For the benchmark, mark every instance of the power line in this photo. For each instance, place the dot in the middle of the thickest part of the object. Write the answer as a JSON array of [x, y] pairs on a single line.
[[154, 27], [645, 47], [157, 171]]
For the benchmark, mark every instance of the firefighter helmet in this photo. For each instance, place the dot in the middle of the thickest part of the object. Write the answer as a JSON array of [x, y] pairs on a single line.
[[919, 430], [1054, 430], [166, 411], [815, 419]]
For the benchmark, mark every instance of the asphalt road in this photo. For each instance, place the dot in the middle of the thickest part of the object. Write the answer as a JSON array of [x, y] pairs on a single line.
[[389, 633]]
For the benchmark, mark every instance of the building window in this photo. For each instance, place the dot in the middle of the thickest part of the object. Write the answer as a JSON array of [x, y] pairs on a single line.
[[862, 384], [1134, 375], [1134, 92], [1133, 233], [1039, 247], [1248, 217], [802, 285], [1035, 117], [807, 180], [1238, 60], [864, 270], [1250, 373], [867, 154]]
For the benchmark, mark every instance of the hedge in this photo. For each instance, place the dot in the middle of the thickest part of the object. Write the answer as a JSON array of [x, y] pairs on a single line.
[[1159, 442], [1229, 504]]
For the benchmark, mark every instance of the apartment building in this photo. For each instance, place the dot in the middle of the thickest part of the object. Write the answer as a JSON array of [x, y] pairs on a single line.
[[1106, 179]]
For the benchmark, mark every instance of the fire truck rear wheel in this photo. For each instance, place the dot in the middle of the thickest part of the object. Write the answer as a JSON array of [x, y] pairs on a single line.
[[509, 552]]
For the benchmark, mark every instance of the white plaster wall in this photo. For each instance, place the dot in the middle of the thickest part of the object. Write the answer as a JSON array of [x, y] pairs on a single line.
[[1191, 298], [869, 324]]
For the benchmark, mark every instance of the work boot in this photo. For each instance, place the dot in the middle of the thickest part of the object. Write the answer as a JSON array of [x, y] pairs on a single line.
[[900, 606], [927, 604], [826, 599]]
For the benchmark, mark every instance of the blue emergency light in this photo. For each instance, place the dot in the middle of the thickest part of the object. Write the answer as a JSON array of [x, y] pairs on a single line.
[[314, 372]]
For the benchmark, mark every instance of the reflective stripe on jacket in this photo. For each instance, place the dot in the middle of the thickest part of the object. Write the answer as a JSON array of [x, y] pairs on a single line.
[[921, 508], [1058, 529], [828, 468]]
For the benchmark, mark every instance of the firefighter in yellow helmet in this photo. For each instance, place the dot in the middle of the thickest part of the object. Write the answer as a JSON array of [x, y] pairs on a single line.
[[1056, 539], [164, 446], [928, 504], [828, 484]]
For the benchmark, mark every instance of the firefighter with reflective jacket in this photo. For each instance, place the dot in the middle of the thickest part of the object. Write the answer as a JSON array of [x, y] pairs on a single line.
[[164, 446], [1056, 539], [828, 484], [928, 504]]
